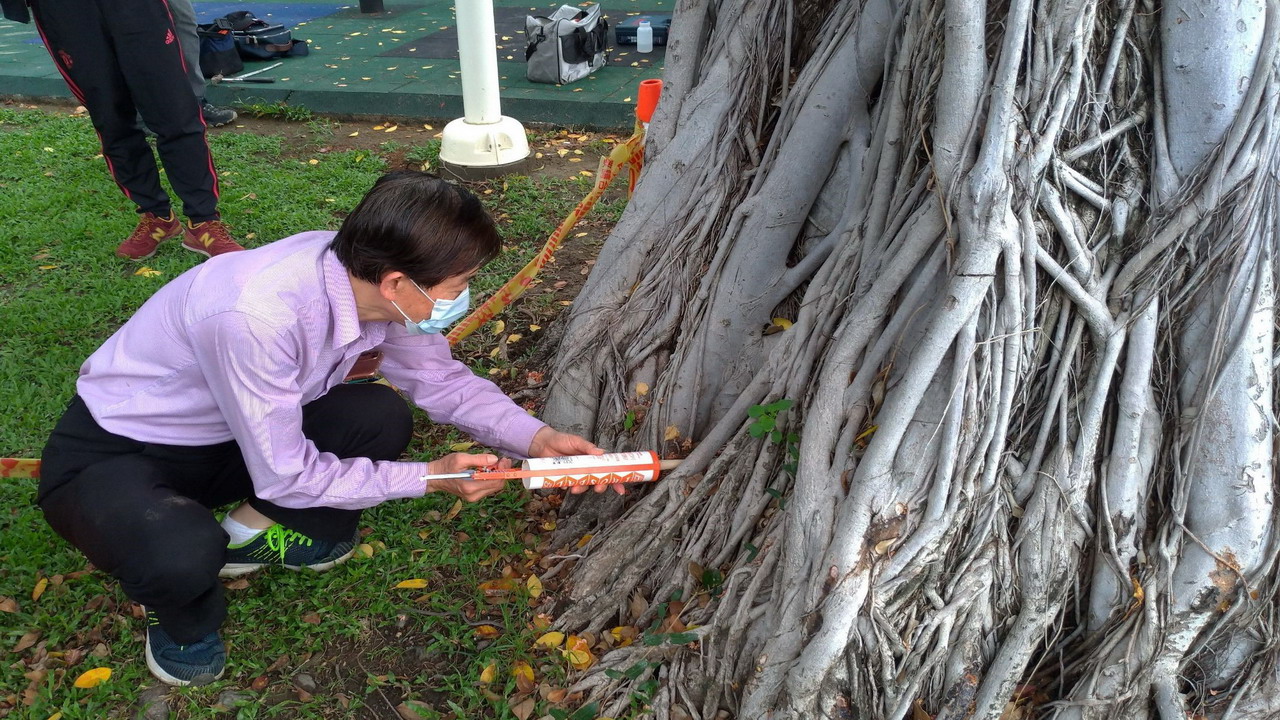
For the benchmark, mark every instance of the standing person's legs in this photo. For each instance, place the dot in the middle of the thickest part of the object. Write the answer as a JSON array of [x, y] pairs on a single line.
[[184, 20], [151, 61], [73, 32]]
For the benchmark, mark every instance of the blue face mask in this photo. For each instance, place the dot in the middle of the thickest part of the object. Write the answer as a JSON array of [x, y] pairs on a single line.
[[443, 313]]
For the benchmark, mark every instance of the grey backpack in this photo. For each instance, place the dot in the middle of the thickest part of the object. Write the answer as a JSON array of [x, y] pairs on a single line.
[[567, 46]]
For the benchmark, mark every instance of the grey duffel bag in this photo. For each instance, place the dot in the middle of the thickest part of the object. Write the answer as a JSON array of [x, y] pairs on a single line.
[[567, 46]]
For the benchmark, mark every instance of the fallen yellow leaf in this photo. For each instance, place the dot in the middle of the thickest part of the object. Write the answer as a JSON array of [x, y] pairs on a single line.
[[413, 584], [462, 446], [453, 511], [550, 640], [672, 433], [499, 327], [92, 678], [146, 272], [365, 549], [578, 653], [354, 134], [41, 584], [514, 337], [642, 389], [489, 673], [624, 635], [535, 328], [782, 323], [56, 716], [313, 161], [534, 585]]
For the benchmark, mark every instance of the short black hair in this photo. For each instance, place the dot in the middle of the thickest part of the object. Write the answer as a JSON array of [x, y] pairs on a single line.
[[418, 224]]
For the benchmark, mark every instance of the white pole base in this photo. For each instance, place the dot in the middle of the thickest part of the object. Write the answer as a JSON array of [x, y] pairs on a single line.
[[485, 145]]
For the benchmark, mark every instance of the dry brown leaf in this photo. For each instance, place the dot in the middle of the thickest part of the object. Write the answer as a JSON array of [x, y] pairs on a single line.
[[408, 710], [523, 674], [237, 584], [624, 635], [311, 618], [553, 695], [260, 683], [637, 605], [26, 641], [280, 662], [8, 604], [523, 709]]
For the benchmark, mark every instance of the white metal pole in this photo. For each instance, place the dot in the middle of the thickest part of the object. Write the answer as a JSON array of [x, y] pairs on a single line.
[[482, 138], [479, 59]]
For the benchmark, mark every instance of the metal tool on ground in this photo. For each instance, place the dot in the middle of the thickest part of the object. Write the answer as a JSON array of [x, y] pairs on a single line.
[[247, 77], [574, 470]]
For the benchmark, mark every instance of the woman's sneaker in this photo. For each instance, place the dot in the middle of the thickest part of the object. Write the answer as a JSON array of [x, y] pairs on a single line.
[[280, 546], [198, 663]]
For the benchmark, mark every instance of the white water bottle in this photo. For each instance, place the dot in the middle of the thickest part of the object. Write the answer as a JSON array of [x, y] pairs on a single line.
[[644, 37]]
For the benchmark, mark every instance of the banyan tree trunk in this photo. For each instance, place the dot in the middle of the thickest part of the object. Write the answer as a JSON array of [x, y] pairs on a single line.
[[1012, 264]]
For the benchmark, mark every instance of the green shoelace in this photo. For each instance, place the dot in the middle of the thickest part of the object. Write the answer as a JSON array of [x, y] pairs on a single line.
[[281, 538]]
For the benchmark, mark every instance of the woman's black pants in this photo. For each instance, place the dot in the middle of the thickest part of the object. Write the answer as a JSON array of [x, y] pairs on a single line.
[[143, 512]]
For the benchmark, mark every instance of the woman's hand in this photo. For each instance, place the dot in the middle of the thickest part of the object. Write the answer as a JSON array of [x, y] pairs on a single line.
[[549, 442], [469, 490]]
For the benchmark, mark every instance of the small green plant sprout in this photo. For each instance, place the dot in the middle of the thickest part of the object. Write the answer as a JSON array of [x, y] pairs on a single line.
[[766, 419]]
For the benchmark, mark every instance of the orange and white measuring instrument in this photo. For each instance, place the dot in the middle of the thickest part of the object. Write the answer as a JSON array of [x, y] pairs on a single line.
[[574, 470]]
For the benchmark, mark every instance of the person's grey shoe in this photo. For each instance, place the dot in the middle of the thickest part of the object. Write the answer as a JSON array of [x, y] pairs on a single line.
[[216, 116]]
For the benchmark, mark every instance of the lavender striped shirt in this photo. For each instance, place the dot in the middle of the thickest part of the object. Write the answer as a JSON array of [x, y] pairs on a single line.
[[233, 348]]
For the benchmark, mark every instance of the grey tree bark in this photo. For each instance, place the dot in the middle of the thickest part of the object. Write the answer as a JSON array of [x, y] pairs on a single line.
[[1027, 255]]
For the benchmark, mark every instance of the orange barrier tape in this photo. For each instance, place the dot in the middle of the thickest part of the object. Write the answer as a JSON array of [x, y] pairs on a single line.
[[19, 467], [629, 154]]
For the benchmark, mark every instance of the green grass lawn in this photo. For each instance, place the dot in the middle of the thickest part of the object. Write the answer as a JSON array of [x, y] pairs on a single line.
[[346, 643]]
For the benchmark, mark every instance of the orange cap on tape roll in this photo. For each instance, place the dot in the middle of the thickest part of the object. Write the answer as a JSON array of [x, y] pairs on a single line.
[[650, 91]]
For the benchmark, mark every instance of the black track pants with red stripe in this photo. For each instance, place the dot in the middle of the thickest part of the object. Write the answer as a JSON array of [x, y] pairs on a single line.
[[122, 58]]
